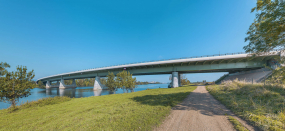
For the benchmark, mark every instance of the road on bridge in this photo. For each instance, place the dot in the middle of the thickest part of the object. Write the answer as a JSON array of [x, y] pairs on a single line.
[[200, 112]]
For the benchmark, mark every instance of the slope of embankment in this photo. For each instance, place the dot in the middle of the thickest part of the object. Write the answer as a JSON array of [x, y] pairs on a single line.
[[261, 105], [141, 110]]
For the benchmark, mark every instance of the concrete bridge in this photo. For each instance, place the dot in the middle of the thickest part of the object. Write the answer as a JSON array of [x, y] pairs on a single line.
[[231, 62]]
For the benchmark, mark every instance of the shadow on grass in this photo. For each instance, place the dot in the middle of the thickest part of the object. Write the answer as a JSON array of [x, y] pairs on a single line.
[[202, 102], [161, 99]]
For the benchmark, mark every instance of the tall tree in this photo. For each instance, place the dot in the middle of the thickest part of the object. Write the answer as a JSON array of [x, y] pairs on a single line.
[[130, 82], [15, 85], [125, 80], [121, 79], [267, 32], [111, 83]]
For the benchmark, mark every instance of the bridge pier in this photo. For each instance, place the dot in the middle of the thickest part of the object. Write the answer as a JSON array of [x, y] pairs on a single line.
[[179, 79], [175, 78], [63, 86], [97, 92], [97, 84], [48, 85]]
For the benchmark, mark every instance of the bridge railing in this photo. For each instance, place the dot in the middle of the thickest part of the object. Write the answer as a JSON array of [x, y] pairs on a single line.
[[173, 59]]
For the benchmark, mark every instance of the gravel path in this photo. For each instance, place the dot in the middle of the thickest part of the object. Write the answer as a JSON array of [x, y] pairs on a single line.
[[200, 112]]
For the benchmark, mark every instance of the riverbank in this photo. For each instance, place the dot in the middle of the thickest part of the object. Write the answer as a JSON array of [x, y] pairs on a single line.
[[141, 110], [79, 92], [263, 106]]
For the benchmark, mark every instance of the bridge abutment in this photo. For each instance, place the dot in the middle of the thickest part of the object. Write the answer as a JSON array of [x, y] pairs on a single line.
[[175, 80]]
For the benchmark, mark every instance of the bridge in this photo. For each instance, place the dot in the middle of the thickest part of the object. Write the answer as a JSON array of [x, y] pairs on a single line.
[[231, 62]]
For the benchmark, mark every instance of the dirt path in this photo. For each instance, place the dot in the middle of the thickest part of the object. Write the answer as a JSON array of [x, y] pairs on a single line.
[[200, 112]]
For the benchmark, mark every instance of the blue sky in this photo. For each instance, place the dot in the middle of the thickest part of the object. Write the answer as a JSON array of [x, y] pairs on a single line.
[[55, 36]]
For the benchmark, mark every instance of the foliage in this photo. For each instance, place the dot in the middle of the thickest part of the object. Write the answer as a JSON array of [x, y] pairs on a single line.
[[277, 77], [267, 32], [131, 82], [15, 85], [111, 83], [85, 82], [125, 80], [142, 83], [184, 80], [103, 81], [143, 110], [145, 83], [3, 67], [237, 125], [262, 105], [41, 85]]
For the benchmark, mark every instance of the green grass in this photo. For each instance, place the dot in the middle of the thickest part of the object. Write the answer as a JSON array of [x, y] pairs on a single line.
[[263, 106], [141, 110], [40, 102], [237, 125]]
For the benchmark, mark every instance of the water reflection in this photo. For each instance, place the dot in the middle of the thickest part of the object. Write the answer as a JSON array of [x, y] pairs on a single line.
[[78, 92], [97, 92], [48, 92], [67, 92], [111, 92]]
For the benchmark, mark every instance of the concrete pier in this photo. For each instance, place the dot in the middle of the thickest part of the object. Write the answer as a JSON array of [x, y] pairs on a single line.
[[175, 79], [48, 85], [179, 79], [63, 86], [97, 84], [97, 92]]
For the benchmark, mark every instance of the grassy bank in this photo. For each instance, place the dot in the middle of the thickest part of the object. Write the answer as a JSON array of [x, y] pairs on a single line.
[[261, 105], [141, 110], [237, 125]]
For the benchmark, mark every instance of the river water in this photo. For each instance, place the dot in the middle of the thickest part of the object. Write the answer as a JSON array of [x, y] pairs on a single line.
[[79, 92]]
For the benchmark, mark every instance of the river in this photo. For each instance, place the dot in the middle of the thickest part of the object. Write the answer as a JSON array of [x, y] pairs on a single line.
[[79, 92]]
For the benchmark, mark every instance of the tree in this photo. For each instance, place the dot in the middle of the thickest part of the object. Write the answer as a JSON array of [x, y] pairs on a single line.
[[184, 80], [103, 81], [3, 67], [15, 85], [111, 83], [124, 80], [41, 84], [267, 32], [130, 82], [121, 80]]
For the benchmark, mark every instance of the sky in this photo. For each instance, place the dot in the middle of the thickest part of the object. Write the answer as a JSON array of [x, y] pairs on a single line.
[[59, 36]]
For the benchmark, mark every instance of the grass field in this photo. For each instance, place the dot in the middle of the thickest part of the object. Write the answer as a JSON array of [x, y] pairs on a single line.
[[263, 106], [141, 110]]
